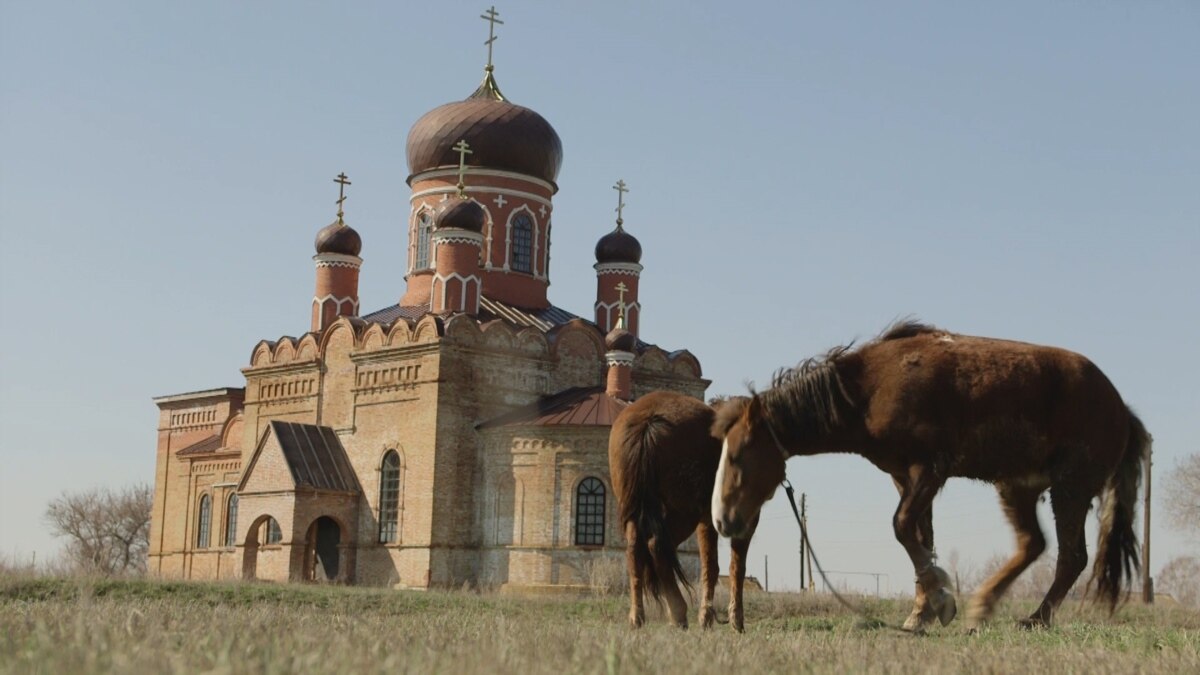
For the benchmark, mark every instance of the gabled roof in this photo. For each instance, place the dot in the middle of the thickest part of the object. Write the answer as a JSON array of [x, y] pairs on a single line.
[[578, 406], [202, 447], [315, 456]]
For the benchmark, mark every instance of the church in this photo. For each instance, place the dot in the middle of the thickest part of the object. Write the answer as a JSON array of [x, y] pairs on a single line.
[[457, 436]]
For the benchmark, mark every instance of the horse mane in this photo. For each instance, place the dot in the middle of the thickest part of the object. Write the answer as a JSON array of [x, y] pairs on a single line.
[[810, 399]]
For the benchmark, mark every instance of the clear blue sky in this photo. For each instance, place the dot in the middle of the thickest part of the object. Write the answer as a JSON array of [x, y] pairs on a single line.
[[801, 174]]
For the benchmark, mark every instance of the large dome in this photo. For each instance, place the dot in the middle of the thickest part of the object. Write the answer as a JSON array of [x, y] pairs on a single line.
[[502, 135]]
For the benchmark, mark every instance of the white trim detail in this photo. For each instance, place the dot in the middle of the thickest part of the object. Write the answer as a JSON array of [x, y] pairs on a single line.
[[319, 302], [445, 192], [619, 358], [608, 307], [466, 284], [337, 260], [533, 254], [454, 236], [480, 171], [633, 269]]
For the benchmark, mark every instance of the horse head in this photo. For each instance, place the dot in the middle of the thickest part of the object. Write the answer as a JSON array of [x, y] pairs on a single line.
[[751, 467]]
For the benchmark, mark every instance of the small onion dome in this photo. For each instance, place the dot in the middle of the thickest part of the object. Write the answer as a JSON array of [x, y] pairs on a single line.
[[502, 135], [618, 246], [620, 340], [460, 214], [338, 237]]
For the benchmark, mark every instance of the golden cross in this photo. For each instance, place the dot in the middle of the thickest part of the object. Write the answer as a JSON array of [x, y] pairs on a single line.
[[621, 289], [621, 190], [463, 150], [490, 16], [342, 182]]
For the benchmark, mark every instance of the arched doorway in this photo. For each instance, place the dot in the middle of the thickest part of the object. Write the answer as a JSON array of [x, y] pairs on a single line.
[[264, 530], [321, 550]]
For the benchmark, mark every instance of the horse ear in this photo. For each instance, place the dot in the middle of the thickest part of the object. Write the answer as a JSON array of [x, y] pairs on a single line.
[[753, 409]]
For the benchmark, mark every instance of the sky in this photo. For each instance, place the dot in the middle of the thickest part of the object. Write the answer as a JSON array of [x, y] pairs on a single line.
[[800, 173]]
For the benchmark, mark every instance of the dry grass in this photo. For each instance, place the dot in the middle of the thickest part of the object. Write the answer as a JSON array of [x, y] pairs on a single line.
[[59, 626]]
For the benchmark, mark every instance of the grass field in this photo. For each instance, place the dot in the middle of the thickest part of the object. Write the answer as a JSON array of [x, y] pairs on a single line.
[[72, 626]]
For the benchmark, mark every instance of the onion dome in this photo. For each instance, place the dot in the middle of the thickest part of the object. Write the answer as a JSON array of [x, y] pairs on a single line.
[[503, 135], [620, 340], [618, 246], [461, 214], [338, 237]]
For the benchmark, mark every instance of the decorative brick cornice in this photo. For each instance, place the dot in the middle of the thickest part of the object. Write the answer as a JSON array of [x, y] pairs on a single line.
[[619, 358], [633, 269], [456, 237], [337, 260]]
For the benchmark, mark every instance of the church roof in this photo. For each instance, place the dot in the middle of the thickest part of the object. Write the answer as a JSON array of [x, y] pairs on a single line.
[[578, 406], [489, 309], [315, 456]]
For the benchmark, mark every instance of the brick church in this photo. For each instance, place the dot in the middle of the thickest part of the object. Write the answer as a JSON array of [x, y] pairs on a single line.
[[456, 436]]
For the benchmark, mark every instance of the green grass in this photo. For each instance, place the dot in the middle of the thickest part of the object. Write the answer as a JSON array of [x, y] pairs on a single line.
[[63, 625]]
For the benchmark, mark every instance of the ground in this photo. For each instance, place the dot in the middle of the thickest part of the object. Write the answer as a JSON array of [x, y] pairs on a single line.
[[59, 626]]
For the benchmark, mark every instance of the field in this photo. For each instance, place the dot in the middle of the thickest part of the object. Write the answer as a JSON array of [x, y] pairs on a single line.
[[72, 626]]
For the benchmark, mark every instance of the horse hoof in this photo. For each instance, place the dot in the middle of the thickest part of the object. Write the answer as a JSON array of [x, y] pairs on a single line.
[[636, 621], [707, 618], [1033, 623], [947, 607], [738, 626]]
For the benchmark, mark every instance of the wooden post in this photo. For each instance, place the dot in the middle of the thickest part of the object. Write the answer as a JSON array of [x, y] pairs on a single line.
[[767, 571], [1147, 580]]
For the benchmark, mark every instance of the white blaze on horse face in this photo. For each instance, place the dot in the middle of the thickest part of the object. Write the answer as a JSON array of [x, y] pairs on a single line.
[[717, 510]]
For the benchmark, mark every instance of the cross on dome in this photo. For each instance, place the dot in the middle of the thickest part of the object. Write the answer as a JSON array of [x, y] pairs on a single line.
[[342, 180], [621, 288], [463, 149], [621, 190], [491, 16]]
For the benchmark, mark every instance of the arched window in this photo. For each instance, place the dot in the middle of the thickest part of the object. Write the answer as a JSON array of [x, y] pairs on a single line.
[[589, 512], [231, 520], [424, 230], [389, 498], [522, 243], [205, 520], [273, 534]]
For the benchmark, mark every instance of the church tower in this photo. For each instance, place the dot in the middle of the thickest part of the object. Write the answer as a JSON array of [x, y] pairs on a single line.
[[514, 161], [338, 264], [456, 242], [618, 268]]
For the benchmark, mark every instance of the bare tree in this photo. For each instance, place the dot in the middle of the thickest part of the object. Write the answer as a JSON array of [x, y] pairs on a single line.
[[1181, 490], [108, 531], [1181, 578]]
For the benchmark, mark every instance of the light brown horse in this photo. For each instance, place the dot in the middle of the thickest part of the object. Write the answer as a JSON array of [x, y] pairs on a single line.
[[925, 405], [663, 462]]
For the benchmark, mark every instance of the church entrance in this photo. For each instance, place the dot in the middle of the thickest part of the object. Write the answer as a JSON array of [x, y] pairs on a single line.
[[321, 550], [264, 532]]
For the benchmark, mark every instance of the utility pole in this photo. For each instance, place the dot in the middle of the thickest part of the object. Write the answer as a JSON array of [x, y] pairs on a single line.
[[767, 571], [803, 530], [1147, 580], [812, 585]]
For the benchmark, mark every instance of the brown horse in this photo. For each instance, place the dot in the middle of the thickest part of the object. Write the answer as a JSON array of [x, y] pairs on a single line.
[[663, 462], [925, 405]]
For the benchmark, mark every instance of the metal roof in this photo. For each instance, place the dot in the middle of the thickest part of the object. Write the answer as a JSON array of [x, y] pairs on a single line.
[[489, 309], [201, 447], [578, 406], [315, 456]]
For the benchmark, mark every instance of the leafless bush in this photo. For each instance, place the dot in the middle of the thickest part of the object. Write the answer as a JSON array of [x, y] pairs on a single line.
[[1182, 494], [107, 531], [1181, 579], [606, 574]]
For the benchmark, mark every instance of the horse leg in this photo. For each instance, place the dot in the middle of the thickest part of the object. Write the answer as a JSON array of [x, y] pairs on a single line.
[[676, 605], [1070, 512], [737, 578], [637, 611], [922, 612], [1020, 506], [706, 536], [914, 509]]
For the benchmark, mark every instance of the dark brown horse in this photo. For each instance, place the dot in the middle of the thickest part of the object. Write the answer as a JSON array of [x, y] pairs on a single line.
[[925, 405], [663, 462]]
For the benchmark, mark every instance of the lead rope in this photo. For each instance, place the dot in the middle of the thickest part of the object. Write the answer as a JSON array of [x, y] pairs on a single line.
[[791, 495]]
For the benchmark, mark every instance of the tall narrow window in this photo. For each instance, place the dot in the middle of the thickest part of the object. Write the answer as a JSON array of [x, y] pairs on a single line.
[[589, 512], [274, 534], [204, 522], [522, 243], [389, 498], [231, 520], [424, 230]]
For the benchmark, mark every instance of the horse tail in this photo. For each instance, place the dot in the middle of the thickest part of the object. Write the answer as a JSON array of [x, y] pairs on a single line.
[[1117, 552], [641, 505]]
